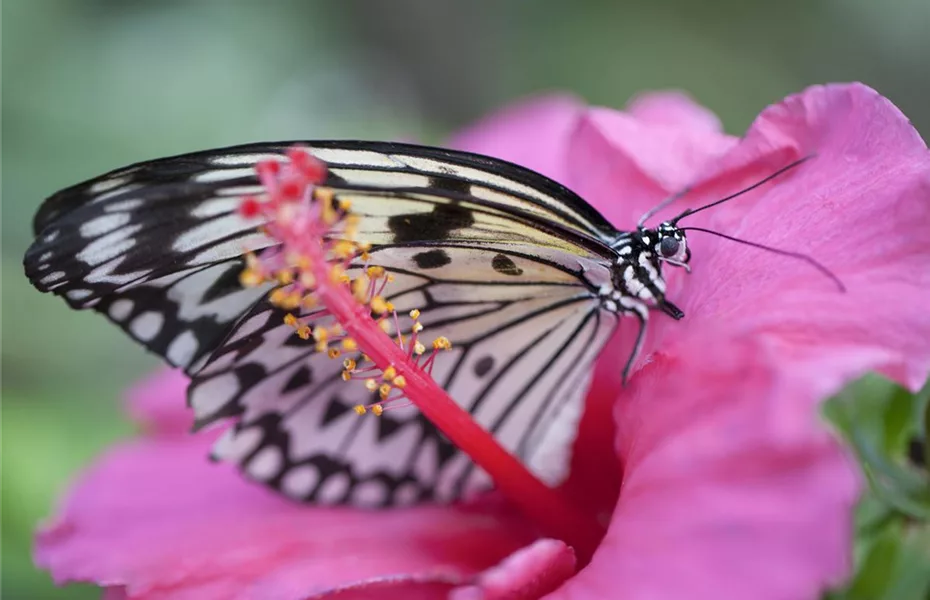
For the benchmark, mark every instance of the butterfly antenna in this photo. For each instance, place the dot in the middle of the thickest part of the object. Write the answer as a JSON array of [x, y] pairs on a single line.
[[759, 183], [661, 205], [797, 255]]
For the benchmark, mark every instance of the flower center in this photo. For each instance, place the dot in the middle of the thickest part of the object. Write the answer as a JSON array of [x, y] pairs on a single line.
[[322, 268]]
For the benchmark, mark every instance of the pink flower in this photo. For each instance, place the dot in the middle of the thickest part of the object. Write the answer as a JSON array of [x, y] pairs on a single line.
[[730, 487]]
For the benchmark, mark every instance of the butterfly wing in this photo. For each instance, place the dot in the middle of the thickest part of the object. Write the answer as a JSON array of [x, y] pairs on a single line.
[[499, 259]]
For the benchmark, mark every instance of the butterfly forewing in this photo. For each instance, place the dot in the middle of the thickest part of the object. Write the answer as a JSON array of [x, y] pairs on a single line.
[[501, 260]]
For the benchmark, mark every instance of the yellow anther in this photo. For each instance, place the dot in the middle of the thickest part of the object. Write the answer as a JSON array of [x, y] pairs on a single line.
[[349, 344], [375, 272], [442, 343], [385, 326], [364, 256], [304, 332], [419, 348], [390, 373], [349, 364], [307, 280], [285, 276], [290, 320], [333, 353], [399, 382], [321, 347], [320, 334], [345, 204], [337, 274], [417, 327], [309, 301], [378, 305], [344, 249], [384, 390], [346, 375], [361, 410], [360, 288], [390, 307], [377, 409], [302, 262], [415, 313], [250, 277], [364, 246], [371, 385], [277, 296], [291, 301]]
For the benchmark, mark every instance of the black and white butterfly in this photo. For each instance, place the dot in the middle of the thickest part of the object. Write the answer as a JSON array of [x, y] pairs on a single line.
[[525, 278]]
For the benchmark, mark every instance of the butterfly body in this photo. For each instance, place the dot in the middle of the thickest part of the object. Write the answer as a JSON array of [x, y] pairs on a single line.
[[526, 279]]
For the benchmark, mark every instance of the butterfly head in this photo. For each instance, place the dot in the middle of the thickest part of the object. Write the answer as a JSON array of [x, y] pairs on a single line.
[[667, 243]]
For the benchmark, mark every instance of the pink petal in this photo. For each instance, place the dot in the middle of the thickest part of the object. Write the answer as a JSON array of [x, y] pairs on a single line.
[[624, 165], [861, 207], [533, 133], [159, 403], [731, 488], [673, 109], [158, 519], [525, 575]]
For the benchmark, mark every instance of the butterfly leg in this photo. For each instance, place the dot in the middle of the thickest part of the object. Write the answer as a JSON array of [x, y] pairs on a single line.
[[641, 313]]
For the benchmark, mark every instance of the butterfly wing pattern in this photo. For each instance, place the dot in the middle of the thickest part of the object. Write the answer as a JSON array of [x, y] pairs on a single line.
[[504, 262]]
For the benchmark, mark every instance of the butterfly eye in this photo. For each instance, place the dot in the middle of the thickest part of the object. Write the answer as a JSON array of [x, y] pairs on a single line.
[[669, 246]]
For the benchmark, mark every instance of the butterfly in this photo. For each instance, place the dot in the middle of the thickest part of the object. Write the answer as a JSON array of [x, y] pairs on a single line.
[[525, 278]]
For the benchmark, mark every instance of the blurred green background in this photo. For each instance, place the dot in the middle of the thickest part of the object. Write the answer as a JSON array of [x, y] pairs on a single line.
[[90, 85]]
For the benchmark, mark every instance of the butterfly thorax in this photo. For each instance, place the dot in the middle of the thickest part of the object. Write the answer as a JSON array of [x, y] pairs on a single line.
[[637, 282]]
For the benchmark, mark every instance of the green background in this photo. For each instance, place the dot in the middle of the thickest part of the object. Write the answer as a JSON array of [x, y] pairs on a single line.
[[91, 85]]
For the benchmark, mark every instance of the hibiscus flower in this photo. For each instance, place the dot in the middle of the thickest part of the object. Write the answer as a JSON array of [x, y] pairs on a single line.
[[719, 479]]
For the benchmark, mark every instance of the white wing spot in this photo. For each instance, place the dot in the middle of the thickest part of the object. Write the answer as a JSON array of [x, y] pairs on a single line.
[[147, 325], [300, 481], [406, 494], [109, 246], [223, 174], [45, 256], [120, 309], [215, 206], [183, 348], [235, 445], [51, 236], [234, 160], [213, 394], [78, 294], [266, 464], [334, 488], [104, 224], [107, 185], [51, 277], [123, 205], [369, 494], [210, 231], [364, 158]]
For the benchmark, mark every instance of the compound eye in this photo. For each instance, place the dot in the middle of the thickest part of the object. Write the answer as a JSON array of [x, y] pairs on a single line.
[[669, 246]]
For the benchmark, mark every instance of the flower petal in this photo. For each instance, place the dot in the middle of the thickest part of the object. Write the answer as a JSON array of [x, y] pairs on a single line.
[[673, 109], [861, 207], [731, 488], [158, 519], [526, 574], [158, 403], [533, 133]]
